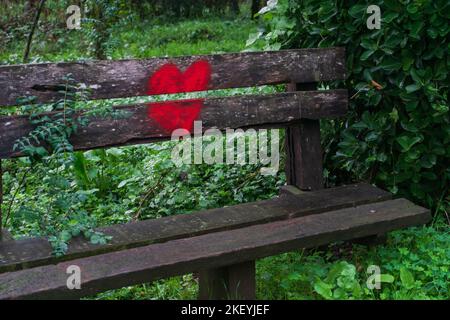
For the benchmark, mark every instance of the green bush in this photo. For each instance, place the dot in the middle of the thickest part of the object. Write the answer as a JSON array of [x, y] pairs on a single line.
[[396, 135]]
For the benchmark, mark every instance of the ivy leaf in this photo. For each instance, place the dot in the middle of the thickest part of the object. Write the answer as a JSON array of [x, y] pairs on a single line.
[[415, 29], [412, 88], [386, 278], [406, 278], [366, 54], [412, 8], [252, 38], [441, 108], [390, 64], [323, 289], [407, 62], [406, 142], [428, 161], [389, 17], [357, 11]]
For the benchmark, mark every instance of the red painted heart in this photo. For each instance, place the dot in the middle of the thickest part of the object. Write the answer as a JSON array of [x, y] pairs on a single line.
[[171, 115]]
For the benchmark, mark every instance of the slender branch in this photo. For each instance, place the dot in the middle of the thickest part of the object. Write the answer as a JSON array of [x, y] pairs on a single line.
[[30, 36], [150, 192], [8, 213]]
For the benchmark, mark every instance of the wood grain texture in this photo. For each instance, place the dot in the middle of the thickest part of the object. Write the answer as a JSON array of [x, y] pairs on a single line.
[[218, 249], [27, 253], [231, 112], [303, 150], [235, 282], [128, 78]]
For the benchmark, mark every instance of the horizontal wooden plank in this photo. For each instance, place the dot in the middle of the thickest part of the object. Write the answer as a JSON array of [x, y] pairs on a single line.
[[142, 126], [128, 78], [15, 255], [144, 264]]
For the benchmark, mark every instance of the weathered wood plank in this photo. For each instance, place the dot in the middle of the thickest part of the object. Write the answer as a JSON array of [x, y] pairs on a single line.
[[304, 151], [128, 78], [230, 112], [144, 264], [303, 143], [27, 253], [235, 282]]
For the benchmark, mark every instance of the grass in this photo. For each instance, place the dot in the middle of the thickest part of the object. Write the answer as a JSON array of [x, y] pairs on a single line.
[[176, 288], [184, 38], [415, 262], [141, 39]]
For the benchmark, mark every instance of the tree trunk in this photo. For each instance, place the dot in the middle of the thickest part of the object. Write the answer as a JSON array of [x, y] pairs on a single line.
[[256, 6], [30, 36], [100, 30], [234, 4]]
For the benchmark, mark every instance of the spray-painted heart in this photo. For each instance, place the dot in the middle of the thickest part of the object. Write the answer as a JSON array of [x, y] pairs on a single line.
[[169, 79]]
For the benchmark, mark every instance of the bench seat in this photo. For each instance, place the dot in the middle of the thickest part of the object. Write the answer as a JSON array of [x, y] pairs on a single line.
[[220, 237]]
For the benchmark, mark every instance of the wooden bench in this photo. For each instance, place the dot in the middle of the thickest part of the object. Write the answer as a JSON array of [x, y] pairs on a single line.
[[220, 244]]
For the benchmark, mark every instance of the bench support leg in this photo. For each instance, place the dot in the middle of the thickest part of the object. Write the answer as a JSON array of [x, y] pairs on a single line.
[[304, 152], [232, 282]]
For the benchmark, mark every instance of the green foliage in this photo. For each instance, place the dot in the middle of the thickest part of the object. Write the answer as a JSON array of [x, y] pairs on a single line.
[[188, 37], [397, 134], [131, 37], [63, 216], [177, 9], [414, 264], [61, 213], [52, 130], [72, 225], [55, 123], [102, 15], [177, 288]]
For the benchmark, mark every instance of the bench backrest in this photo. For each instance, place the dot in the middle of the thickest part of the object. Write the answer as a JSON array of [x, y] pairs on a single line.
[[298, 111], [154, 122]]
